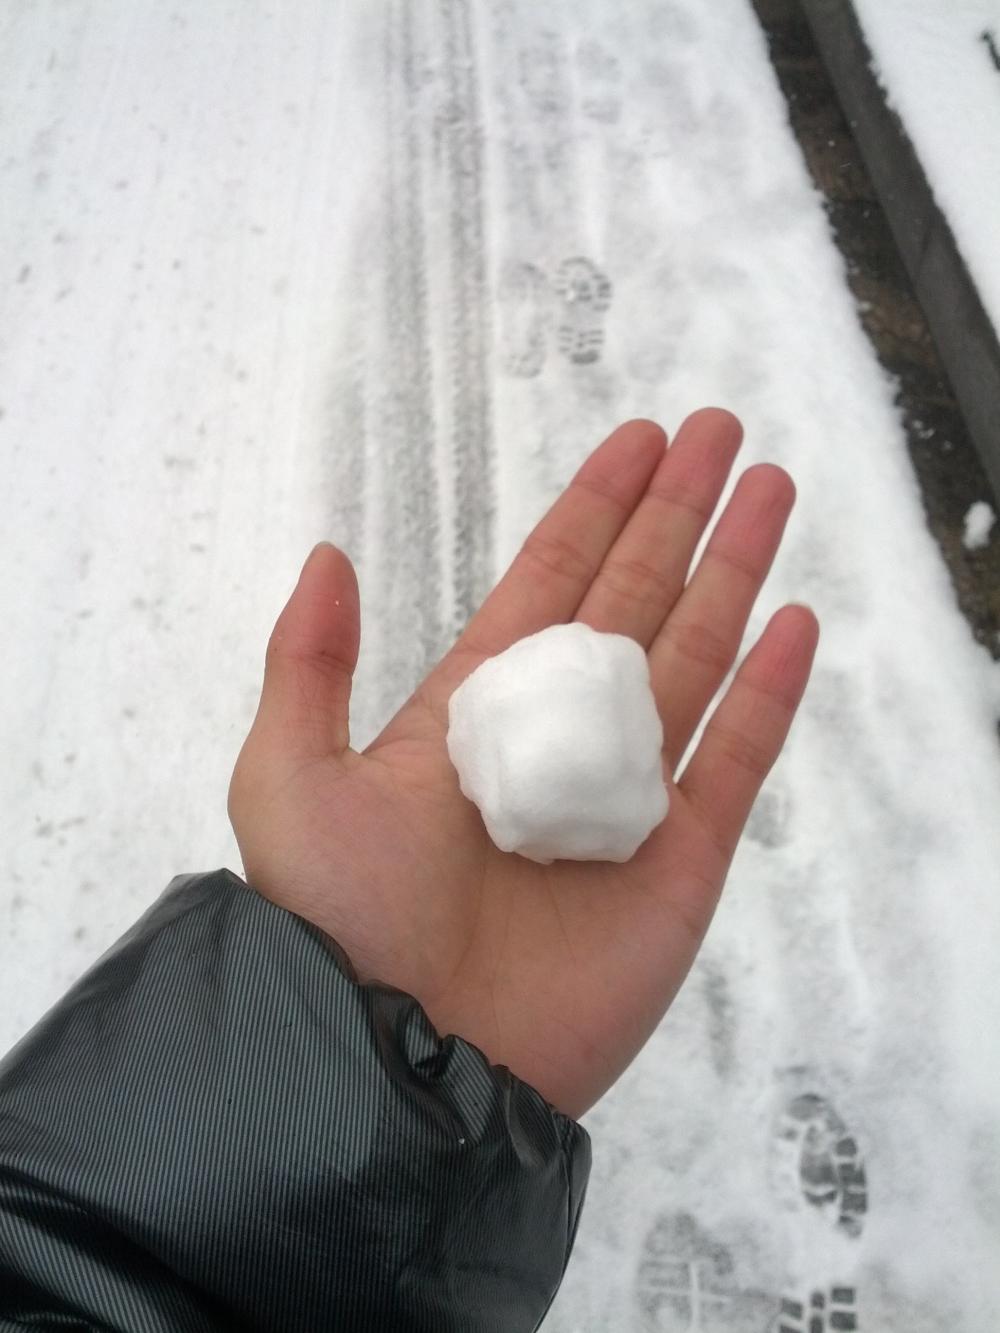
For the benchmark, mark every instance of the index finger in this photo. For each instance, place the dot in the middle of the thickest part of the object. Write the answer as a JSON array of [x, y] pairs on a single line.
[[560, 558]]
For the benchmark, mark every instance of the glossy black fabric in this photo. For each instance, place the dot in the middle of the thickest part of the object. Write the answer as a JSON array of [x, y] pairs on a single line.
[[217, 1127]]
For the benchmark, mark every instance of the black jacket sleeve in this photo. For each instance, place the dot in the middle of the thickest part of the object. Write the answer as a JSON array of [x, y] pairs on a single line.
[[219, 1127]]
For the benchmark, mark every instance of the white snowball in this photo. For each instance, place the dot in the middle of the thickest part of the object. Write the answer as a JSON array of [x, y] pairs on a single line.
[[558, 742]]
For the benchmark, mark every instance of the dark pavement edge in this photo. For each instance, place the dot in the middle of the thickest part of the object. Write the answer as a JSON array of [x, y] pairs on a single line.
[[946, 464], [965, 337]]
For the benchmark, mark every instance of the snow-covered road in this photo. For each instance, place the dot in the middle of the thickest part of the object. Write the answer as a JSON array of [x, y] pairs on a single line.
[[384, 274]]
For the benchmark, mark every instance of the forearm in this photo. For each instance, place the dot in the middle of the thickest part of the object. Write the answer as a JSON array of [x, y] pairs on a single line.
[[219, 1128]]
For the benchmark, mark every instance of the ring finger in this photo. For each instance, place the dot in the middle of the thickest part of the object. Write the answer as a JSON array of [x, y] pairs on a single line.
[[698, 642]]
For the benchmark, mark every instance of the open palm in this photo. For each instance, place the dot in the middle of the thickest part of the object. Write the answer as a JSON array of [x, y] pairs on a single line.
[[559, 972]]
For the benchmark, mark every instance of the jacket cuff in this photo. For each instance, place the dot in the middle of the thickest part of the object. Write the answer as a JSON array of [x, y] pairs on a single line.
[[218, 1126]]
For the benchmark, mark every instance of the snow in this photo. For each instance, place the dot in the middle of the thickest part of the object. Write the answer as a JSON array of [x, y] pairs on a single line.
[[937, 65], [262, 289], [558, 741], [978, 525]]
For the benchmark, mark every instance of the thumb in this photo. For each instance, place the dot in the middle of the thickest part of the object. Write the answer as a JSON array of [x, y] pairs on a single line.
[[310, 660]]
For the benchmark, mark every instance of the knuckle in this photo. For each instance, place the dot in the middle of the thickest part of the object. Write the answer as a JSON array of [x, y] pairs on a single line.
[[684, 496], [721, 845], [556, 555], [735, 564], [700, 643], [742, 750], [637, 581], [774, 692], [605, 491]]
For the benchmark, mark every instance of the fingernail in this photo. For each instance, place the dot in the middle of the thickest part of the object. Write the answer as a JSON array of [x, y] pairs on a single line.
[[315, 550], [312, 555]]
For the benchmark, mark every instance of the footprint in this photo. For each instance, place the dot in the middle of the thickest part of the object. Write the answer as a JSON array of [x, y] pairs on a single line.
[[770, 817], [602, 75], [819, 1167], [584, 294], [670, 24], [685, 1283], [826, 1311], [582, 346], [522, 297], [820, 1160], [991, 45], [721, 1015], [541, 76]]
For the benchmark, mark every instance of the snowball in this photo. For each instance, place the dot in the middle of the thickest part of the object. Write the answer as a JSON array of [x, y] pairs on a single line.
[[978, 523], [558, 742]]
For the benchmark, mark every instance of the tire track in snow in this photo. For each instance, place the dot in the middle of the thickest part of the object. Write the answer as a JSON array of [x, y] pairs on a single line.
[[346, 444], [346, 477], [472, 445], [408, 523]]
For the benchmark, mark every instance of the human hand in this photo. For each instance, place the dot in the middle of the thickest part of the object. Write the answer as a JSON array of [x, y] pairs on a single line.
[[559, 972]]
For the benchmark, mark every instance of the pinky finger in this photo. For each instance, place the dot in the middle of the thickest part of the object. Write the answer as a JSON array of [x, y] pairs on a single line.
[[746, 732]]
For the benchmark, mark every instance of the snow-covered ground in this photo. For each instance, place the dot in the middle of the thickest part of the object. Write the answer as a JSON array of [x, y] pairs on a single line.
[[275, 274], [939, 65]]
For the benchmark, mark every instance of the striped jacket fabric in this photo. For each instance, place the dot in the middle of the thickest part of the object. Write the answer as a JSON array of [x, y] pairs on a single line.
[[218, 1127]]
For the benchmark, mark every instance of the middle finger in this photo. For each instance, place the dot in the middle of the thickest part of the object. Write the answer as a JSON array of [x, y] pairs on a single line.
[[644, 573]]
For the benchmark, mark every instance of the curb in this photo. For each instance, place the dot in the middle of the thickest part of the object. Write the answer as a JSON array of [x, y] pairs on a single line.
[[961, 329]]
